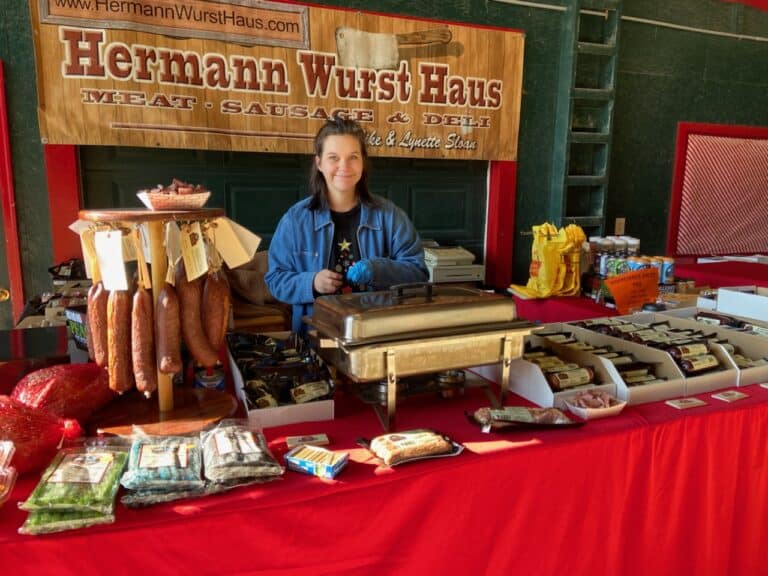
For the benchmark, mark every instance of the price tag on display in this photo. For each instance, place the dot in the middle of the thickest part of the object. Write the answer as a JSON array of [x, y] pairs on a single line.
[[236, 244], [109, 253], [633, 289], [193, 250], [144, 242], [129, 245], [88, 246]]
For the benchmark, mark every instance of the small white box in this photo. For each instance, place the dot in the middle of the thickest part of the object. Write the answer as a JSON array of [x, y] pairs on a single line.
[[752, 303], [448, 256], [316, 411], [470, 273]]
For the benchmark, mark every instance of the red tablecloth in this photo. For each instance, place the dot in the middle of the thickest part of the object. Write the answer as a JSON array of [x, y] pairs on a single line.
[[565, 309], [652, 491], [718, 274]]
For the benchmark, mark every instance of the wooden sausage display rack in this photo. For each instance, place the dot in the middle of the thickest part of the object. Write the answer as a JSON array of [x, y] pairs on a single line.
[[176, 412]]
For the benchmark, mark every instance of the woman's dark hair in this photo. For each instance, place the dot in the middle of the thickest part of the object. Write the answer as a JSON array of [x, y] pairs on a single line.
[[337, 126]]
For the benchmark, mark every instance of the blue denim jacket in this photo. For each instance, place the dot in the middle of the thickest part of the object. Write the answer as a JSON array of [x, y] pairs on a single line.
[[301, 247]]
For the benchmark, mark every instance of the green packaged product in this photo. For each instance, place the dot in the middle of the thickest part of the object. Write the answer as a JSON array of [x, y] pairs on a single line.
[[49, 521], [82, 478]]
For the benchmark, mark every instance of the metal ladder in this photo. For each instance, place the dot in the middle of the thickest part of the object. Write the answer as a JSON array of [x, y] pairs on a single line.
[[584, 113]]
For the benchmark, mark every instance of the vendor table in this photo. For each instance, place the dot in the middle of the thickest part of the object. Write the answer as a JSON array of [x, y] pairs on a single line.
[[561, 309], [651, 491], [718, 274]]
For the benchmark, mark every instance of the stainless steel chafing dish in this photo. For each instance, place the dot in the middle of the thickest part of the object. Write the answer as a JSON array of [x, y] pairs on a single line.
[[416, 329]]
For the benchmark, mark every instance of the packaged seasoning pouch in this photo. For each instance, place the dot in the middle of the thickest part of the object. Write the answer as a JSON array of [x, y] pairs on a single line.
[[231, 450], [80, 478], [49, 521], [399, 447], [164, 462]]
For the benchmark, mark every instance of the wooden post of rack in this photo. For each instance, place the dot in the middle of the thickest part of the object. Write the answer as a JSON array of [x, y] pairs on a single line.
[[159, 269]]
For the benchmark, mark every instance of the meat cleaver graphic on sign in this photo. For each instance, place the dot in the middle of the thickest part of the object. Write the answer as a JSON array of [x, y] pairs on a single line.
[[379, 51]]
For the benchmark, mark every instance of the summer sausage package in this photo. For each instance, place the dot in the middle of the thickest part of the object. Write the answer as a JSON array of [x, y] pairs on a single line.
[[515, 417], [400, 447]]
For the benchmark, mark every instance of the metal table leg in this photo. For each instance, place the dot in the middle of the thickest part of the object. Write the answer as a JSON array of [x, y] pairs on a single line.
[[506, 363], [388, 419]]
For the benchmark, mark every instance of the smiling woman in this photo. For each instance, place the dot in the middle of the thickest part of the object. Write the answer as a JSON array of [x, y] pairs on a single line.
[[342, 238]]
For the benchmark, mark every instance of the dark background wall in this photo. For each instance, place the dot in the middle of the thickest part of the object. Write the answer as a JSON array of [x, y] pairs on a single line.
[[666, 75]]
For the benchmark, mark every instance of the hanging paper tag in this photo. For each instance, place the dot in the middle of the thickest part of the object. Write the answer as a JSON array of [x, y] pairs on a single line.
[[129, 244], [172, 241], [193, 250], [236, 244], [143, 229], [144, 278], [109, 253], [88, 246], [170, 273]]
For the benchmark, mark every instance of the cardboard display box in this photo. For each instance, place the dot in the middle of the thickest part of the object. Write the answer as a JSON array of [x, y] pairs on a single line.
[[750, 346], [315, 411], [529, 381], [751, 302]]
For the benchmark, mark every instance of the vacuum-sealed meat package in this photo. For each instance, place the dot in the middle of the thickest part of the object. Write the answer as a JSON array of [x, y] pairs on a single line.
[[35, 433], [66, 390]]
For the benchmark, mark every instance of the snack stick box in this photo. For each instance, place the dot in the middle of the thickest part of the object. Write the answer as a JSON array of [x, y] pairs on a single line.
[[528, 380], [748, 345], [665, 368]]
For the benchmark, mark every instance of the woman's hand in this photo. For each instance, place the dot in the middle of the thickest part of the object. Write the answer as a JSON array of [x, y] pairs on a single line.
[[327, 282]]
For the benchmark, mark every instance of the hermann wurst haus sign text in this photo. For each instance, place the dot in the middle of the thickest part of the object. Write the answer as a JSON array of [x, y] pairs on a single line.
[[264, 76]]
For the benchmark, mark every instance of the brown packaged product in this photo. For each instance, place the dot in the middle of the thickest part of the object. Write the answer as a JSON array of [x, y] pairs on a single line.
[[119, 340], [97, 324], [168, 331], [718, 319], [143, 342], [621, 360], [699, 364], [399, 446], [560, 368], [571, 378], [190, 310], [688, 351], [634, 369]]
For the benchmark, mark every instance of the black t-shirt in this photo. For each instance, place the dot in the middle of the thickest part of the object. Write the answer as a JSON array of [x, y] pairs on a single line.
[[345, 250]]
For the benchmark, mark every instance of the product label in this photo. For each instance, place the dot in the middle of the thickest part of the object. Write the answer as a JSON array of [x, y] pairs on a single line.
[[310, 391], [240, 442], [701, 363], [164, 455], [82, 468]]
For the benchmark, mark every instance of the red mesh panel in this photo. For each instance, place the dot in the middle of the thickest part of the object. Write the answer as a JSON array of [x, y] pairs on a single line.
[[724, 200]]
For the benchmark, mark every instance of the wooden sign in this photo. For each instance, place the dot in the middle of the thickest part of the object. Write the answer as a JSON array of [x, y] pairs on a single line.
[[633, 289], [264, 77]]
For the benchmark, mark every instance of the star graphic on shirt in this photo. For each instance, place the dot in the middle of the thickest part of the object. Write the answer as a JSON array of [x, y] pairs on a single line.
[[345, 244]]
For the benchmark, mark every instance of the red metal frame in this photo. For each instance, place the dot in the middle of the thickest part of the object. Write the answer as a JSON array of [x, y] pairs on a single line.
[[500, 223], [684, 131], [760, 4], [10, 224], [63, 174]]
